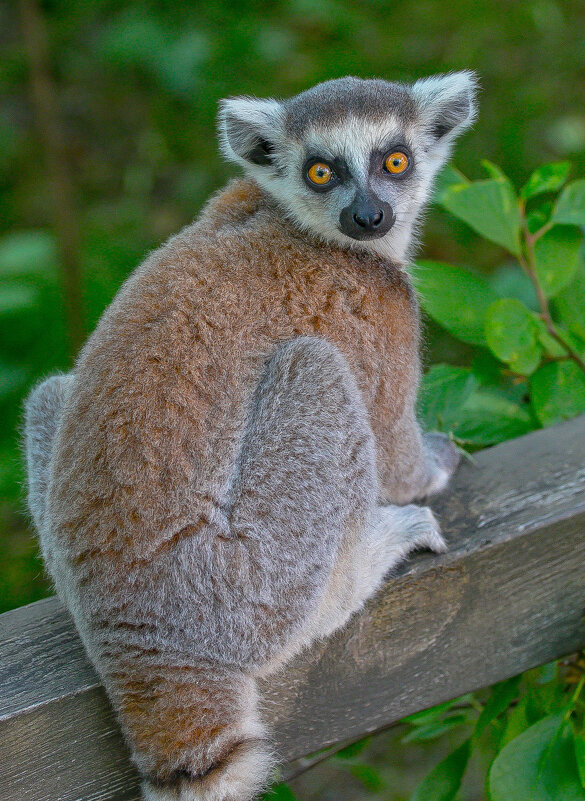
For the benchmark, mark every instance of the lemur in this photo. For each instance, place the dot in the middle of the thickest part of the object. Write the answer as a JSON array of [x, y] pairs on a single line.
[[228, 472]]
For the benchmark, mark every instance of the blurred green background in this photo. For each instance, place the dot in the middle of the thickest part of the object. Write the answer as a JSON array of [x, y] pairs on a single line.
[[107, 146]]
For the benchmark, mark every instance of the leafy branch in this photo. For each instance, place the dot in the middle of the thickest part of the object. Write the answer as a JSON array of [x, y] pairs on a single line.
[[528, 333], [528, 263]]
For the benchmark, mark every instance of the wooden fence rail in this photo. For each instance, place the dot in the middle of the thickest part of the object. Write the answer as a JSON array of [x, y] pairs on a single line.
[[509, 595]]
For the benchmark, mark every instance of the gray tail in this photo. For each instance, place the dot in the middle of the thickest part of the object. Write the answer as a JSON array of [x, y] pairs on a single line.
[[43, 411]]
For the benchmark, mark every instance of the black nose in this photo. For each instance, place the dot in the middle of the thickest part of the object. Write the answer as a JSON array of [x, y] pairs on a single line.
[[367, 217], [369, 222]]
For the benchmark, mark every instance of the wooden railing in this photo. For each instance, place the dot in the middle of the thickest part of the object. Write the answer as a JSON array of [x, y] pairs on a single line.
[[509, 595]]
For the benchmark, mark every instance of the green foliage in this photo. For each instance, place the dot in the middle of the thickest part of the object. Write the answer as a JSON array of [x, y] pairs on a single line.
[[556, 257], [456, 298], [279, 792], [548, 178], [539, 752], [539, 764], [444, 781], [528, 371], [536, 371], [569, 304], [511, 333], [558, 392], [443, 393], [489, 207], [570, 208]]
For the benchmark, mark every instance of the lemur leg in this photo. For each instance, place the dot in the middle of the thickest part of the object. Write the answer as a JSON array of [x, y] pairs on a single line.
[[305, 475], [301, 518], [413, 464], [394, 532], [310, 453]]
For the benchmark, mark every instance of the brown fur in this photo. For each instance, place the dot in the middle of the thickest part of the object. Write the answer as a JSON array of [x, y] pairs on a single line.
[[150, 435], [226, 475], [171, 363]]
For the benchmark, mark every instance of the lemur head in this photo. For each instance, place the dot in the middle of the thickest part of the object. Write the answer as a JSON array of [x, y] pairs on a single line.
[[351, 161]]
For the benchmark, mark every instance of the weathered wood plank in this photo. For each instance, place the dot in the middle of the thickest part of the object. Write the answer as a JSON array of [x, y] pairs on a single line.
[[510, 594]]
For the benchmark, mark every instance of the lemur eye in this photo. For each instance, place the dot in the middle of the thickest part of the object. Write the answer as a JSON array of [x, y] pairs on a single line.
[[320, 173], [396, 162]]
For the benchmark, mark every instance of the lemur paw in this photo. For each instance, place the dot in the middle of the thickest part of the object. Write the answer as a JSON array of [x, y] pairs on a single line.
[[422, 529], [445, 458]]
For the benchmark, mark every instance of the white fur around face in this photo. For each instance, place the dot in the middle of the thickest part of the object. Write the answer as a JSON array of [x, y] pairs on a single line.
[[442, 102], [318, 212]]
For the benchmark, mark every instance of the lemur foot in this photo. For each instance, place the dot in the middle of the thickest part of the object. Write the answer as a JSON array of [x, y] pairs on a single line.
[[406, 528], [422, 529], [445, 458]]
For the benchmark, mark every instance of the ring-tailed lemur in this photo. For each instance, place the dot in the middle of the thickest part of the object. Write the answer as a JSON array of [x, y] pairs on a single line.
[[227, 473]]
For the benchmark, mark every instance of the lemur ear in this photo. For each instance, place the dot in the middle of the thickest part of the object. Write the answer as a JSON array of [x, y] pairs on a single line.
[[248, 127], [446, 103]]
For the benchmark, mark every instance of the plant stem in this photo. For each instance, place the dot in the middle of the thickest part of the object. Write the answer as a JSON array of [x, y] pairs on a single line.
[[529, 266], [574, 699], [65, 217]]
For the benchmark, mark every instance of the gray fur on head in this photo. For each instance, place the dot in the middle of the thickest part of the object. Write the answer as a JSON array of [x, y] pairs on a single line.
[[351, 124]]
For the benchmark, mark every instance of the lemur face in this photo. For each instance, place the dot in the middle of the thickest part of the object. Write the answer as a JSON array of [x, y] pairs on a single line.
[[351, 161]]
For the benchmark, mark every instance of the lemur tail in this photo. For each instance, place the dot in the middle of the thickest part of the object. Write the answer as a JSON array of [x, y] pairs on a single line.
[[195, 731], [42, 414], [201, 740]]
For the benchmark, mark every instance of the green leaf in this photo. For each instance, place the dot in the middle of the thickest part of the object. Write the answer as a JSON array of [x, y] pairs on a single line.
[[369, 777], [556, 255], [493, 170], [552, 346], [570, 208], [435, 713], [570, 303], [443, 391], [539, 765], [279, 792], [490, 208], [548, 178], [580, 755], [545, 699], [510, 281], [517, 721], [27, 252], [489, 417], [512, 335], [447, 177], [351, 751], [540, 216], [455, 298], [501, 697], [486, 368], [422, 734], [549, 343], [558, 392], [16, 298], [444, 781]]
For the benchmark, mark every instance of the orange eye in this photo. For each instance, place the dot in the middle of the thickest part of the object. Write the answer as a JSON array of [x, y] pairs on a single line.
[[320, 173], [396, 162]]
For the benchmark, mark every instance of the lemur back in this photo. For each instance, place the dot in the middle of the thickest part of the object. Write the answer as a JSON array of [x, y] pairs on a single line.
[[217, 482]]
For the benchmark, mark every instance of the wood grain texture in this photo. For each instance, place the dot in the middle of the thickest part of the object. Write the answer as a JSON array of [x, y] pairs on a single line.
[[509, 594]]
